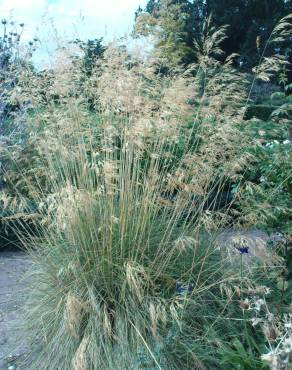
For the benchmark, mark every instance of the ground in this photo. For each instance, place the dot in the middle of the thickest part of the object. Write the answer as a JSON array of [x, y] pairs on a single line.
[[13, 281]]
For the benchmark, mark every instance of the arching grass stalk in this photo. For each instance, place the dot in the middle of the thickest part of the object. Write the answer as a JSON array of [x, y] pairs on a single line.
[[110, 256]]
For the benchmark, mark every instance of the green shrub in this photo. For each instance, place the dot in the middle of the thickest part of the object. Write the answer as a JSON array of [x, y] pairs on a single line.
[[264, 194], [260, 111]]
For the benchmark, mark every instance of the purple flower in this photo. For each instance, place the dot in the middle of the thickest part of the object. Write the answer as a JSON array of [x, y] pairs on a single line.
[[183, 289], [243, 250]]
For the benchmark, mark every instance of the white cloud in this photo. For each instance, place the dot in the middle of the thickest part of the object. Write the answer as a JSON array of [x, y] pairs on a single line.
[[115, 13], [73, 18]]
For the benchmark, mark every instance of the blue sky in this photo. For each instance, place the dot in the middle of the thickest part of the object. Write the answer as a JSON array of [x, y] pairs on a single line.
[[72, 18]]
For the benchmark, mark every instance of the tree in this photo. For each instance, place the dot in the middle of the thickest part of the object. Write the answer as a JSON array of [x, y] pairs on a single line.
[[176, 23], [11, 60], [172, 24], [93, 50], [250, 25]]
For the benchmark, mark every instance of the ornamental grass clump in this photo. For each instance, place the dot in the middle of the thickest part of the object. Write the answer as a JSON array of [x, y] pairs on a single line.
[[125, 266], [127, 273], [124, 269]]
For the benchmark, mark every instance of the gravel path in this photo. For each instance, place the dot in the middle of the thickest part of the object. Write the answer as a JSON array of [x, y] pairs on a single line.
[[13, 265]]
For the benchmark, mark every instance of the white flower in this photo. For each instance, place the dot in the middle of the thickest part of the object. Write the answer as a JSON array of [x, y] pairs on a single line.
[[286, 142], [276, 142], [255, 321], [267, 290], [258, 304], [270, 317], [287, 345]]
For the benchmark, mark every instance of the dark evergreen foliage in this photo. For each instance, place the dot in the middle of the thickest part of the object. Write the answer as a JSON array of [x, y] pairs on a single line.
[[250, 24]]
